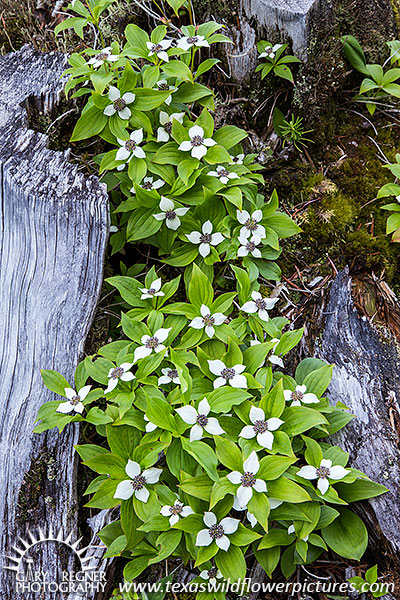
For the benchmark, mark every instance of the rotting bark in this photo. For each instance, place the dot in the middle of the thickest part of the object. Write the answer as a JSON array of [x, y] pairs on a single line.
[[53, 233], [366, 378]]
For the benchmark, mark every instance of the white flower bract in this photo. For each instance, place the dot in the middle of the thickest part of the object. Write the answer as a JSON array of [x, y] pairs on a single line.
[[193, 40], [176, 511], [270, 51], [249, 246], [170, 214], [251, 223], [205, 238], [137, 482], [323, 473], [149, 184], [159, 49], [130, 148], [200, 420], [259, 305], [207, 320], [119, 105], [198, 144], [247, 480], [237, 160], [216, 532], [151, 343], [119, 373], [169, 376], [261, 428], [103, 56], [231, 375], [153, 290], [223, 174], [74, 402], [164, 132], [299, 396]]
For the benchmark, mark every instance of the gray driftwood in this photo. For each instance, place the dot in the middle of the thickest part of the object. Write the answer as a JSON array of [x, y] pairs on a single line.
[[53, 232], [366, 378]]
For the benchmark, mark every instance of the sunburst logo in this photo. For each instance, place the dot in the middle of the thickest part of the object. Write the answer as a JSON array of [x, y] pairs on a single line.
[[23, 547]]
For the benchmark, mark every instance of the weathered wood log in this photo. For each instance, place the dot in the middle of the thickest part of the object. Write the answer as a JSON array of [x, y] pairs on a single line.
[[53, 233], [366, 378]]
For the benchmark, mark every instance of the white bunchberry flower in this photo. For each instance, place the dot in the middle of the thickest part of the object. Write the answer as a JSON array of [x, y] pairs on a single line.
[[119, 373], [162, 86], [291, 530], [113, 229], [262, 428], [205, 238], [198, 144], [193, 40], [169, 376], [237, 160], [247, 480], [103, 56], [74, 403], [176, 511], [272, 358], [250, 517], [200, 420], [259, 305], [149, 425], [299, 396], [119, 105], [207, 320], [130, 148], [153, 290], [251, 223], [211, 574], [223, 174], [270, 51], [216, 532], [149, 184], [249, 246], [324, 472], [231, 375], [159, 49], [170, 213], [137, 482], [151, 343], [164, 132]]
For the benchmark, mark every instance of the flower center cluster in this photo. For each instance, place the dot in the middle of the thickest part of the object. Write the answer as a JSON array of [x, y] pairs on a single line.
[[251, 224], [297, 396], [205, 238], [75, 400], [260, 426], [147, 185], [192, 40], [138, 482], [170, 215], [168, 127], [102, 56], [130, 145], [250, 246], [268, 50], [248, 479], [323, 472], [163, 87], [201, 420], [151, 291], [197, 140], [152, 342], [223, 173], [212, 573], [260, 303], [176, 509], [156, 48], [228, 373], [208, 320], [119, 104], [235, 159], [115, 373], [172, 373], [216, 532]]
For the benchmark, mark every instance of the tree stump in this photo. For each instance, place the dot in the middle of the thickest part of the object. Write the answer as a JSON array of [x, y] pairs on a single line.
[[366, 378], [53, 232]]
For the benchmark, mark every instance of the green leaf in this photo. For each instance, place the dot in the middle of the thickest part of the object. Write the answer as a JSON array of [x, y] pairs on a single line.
[[317, 381], [204, 455], [200, 290], [298, 419], [231, 563], [229, 135], [54, 381], [90, 123], [287, 490], [222, 399], [272, 467], [177, 68], [228, 453], [361, 489], [347, 535], [284, 72]]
